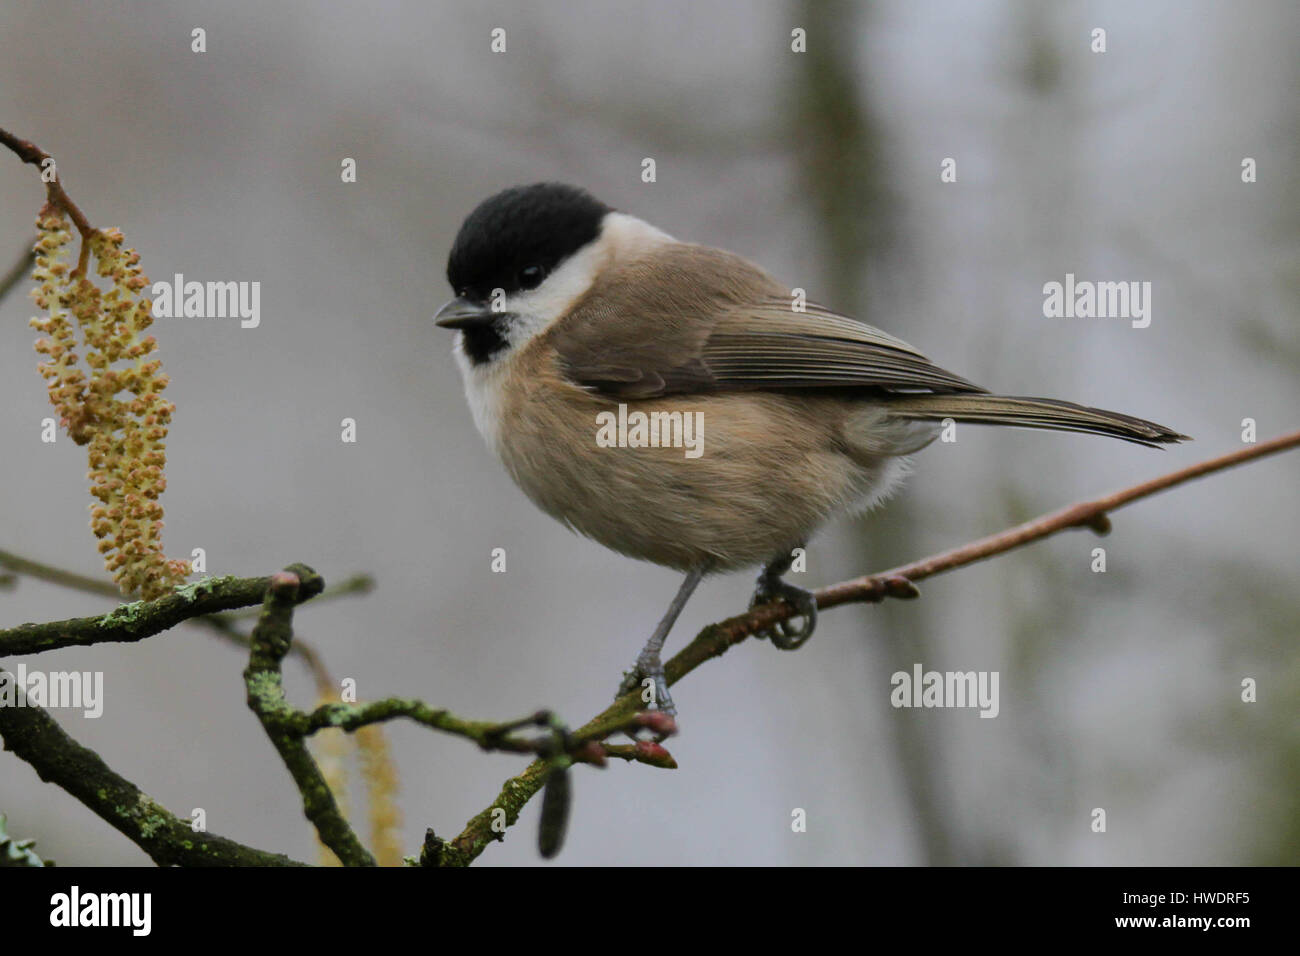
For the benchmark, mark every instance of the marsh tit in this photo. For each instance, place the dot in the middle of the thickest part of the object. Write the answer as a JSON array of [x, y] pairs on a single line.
[[577, 324]]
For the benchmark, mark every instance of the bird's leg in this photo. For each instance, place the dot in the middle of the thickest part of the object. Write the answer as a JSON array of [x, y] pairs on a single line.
[[649, 664], [784, 634]]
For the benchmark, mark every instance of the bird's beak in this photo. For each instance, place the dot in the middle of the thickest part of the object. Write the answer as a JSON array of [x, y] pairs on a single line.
[[461, 313]]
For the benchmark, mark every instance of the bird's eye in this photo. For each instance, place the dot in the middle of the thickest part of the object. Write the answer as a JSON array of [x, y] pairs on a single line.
[[530, 277]]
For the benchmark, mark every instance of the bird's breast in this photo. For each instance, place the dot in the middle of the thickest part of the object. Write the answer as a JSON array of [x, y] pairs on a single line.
[[728, 478]]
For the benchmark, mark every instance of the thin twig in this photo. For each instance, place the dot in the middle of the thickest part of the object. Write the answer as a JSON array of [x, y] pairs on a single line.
[[1089, 514], [357, 584], [29, 152], [582, 747]]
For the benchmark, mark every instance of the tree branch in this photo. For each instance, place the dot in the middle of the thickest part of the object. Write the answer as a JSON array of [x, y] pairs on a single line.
[[142, 619], [32, 734], [223, 624], [897, 582], [272, 638]]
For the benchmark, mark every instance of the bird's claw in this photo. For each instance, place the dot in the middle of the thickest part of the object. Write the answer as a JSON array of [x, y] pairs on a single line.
[[786, 635], [634, 681]]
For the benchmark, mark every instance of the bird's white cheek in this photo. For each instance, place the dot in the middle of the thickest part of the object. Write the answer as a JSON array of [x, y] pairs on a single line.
[[483, 384]]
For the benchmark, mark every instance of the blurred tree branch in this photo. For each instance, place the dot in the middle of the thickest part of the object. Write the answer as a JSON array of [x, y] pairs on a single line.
[[858, 217], [18, 271]]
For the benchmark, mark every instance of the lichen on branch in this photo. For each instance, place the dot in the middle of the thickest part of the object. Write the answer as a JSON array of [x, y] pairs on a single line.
[[115, 403]]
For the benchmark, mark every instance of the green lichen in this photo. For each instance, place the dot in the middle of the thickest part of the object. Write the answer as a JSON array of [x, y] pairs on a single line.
[[206, 586], [122, 615], [18, 852], [337, 715], [268, 690], [153, 818]]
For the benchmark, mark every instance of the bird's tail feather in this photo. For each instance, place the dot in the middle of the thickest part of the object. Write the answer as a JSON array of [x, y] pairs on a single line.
[[1023, 412]]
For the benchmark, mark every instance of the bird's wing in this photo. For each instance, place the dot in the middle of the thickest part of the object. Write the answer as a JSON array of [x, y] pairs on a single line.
[[725, 325]]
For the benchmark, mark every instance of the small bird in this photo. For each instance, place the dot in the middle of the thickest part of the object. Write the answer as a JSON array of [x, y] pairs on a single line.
[[677, 404]]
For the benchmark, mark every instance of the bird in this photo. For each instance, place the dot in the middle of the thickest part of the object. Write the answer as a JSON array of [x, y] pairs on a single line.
[[580, 328]]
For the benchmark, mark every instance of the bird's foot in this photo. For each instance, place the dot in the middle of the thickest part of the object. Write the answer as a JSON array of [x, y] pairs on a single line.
[[790, 634], [647, 677]]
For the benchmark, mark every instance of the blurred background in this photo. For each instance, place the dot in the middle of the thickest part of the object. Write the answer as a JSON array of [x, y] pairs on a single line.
[[1118, 690]]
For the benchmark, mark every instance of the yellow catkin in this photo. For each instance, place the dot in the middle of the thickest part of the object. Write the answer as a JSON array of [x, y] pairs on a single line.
[[380, 774], [331, 749], [118, 411]]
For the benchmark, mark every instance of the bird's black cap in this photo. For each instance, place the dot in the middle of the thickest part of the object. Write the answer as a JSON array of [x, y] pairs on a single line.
[[521, 227]]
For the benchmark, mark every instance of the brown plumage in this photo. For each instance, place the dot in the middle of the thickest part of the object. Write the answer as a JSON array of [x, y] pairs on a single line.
[[805, 415]]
